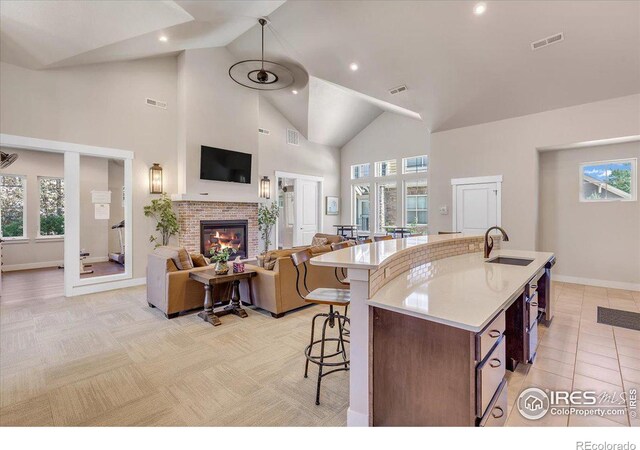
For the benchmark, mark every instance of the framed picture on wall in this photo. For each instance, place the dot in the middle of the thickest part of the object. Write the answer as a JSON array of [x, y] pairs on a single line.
[[333, 206]]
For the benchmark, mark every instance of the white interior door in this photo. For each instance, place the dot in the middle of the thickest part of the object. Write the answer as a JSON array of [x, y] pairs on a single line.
[[307, 207], [476, 207]]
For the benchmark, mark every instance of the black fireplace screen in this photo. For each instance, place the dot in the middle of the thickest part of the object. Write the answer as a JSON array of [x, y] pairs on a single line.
[[220, 234]]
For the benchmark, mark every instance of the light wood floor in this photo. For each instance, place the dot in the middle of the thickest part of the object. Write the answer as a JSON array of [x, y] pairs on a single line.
[[108, 359]]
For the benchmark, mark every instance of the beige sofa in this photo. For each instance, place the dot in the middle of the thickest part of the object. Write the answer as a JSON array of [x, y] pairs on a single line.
[[275, 290], [171, 290]]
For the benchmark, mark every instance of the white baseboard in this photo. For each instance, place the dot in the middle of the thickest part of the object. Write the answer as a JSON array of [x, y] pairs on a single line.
[[29, 266], [110, 286], [45, 264], [598, 283]]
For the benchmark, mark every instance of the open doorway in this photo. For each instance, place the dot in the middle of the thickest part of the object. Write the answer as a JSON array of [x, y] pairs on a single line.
[[300, 203], [83, 208], [32, 224]]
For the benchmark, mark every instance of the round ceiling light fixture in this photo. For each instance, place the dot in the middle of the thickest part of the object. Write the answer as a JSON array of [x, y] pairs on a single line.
[[163, 39], [294, 92], [259, 73], [353, 66], [479, 8]]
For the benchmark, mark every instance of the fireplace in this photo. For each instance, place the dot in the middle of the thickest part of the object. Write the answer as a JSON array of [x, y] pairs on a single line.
[[220, 234]]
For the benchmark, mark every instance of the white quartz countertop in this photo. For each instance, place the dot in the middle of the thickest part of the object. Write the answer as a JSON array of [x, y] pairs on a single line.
[[372, 256], [462, 291]]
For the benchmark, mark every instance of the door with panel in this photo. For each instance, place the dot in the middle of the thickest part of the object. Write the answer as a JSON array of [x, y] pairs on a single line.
[[477, 207], [307, 207]]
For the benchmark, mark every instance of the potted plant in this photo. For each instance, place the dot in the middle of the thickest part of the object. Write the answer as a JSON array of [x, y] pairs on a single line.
[[220, 259], [267, 217], [161, 210]]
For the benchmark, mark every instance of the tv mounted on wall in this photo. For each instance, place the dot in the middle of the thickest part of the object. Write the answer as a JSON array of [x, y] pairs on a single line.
[[218, 164]]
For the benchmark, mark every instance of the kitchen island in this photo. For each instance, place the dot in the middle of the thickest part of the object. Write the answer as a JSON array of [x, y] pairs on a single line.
[[434, 326]]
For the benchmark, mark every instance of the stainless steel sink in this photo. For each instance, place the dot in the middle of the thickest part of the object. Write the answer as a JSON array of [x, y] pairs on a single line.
[[510, 260]]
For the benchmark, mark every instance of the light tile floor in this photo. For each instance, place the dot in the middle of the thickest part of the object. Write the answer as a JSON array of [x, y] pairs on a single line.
[[576, 352], [109, 359]]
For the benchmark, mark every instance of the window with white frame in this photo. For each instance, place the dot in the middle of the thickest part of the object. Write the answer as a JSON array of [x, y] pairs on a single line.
[[414, 164], [386, 168], [387, 205], [361, 206], [360, 171], [613, 180], [13, 206], [51, 206], [415, 202]]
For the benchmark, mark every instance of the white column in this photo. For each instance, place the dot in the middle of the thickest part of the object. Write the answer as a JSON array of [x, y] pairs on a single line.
[[358, 413]]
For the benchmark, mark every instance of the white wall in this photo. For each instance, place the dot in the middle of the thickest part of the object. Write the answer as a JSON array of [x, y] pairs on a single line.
[[308, 158], [599, 241], [94, 233], [509, 148], [103, 105], [217, 112], [389, 136]]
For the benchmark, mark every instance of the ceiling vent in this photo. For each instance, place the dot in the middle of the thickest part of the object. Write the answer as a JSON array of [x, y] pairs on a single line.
[[547, 41], [156, 103], [397, 90], [293, 137], [263, 131]]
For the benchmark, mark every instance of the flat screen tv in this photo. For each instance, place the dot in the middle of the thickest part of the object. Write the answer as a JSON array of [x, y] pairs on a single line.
[[224, 165]]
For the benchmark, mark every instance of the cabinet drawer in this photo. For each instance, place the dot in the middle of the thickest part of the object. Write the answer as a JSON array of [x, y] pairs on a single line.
[[489, 375], [496, 415], [487, 338], [532, 341], [532, 309]]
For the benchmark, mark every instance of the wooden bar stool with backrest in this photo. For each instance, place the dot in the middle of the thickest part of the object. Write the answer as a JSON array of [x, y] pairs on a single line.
[[323, 296], [382, 238]]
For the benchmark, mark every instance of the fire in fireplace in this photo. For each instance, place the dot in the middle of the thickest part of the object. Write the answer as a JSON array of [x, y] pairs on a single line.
[[221, 234]]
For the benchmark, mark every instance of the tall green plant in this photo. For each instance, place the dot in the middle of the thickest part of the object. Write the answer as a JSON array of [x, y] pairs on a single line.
[[267, 217], [167, 222]]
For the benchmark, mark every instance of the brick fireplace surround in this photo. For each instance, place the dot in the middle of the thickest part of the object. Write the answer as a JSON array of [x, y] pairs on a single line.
[[190, 213]]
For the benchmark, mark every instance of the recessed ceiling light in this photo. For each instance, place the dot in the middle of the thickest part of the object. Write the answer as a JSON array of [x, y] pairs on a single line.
[[479, 8], [353, 66], [294, 92], [163, 39]]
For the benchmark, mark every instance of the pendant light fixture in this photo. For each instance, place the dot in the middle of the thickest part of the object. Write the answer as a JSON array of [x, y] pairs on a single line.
[[259, 73]]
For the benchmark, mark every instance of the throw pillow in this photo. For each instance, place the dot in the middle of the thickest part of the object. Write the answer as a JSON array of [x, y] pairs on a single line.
[[198, 260], [185, 260], [318, 241]]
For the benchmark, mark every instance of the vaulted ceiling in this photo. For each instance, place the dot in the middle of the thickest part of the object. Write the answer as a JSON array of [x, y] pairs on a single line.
[[460, 69]]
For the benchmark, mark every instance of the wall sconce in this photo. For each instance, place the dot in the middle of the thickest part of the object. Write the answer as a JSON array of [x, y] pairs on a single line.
[[265, 188], [155, 179]]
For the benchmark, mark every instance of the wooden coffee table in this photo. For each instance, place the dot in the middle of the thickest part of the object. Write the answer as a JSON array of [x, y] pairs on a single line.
[[209, 278]]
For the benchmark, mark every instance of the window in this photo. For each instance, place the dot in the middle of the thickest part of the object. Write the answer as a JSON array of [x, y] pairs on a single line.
[[12, 206], [51, 206], [387, 205], [416, 164], [361, 206], [386, 168], [608, 180], [360, 171], [415, 201]]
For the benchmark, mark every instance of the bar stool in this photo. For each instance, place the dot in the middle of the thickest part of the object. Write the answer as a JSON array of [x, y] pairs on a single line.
[[382, 238], [323, 296]]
